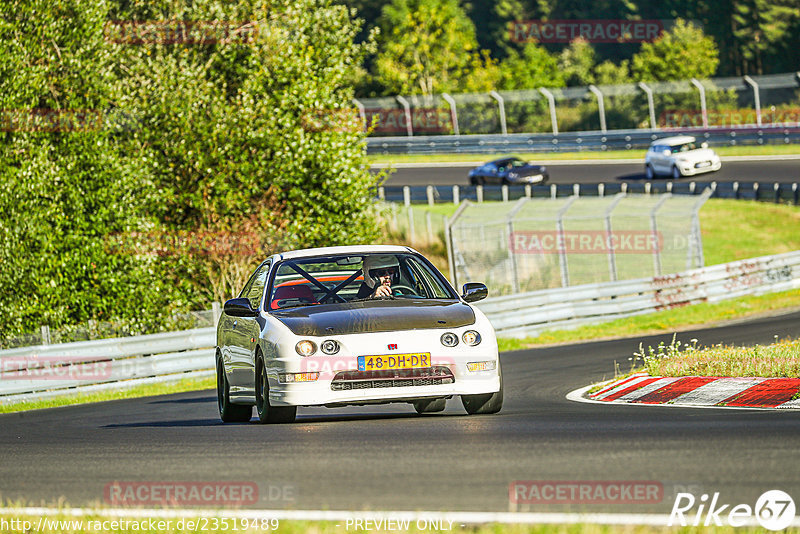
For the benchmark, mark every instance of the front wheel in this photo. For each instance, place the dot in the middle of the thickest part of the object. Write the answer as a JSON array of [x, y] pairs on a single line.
[[266, 412], [676, 173], [485, 403], [649, 173], [228, 412]]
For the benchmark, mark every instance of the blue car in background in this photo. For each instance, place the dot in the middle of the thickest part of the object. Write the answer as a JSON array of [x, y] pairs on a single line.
[[508, 171]]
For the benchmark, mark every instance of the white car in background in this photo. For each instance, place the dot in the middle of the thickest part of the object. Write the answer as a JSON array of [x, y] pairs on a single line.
[[679, 156]]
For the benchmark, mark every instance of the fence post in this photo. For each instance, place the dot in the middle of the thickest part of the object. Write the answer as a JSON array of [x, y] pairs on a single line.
[[736, 190], [657, 244], [216, 312], [456, 194], [453, 112], [703, 109], [362, 113], [479, 193], [429, 225], [411, 232], [576, 189], [381, 193], [553, 191], [501, 106], [669, 187], [562, 253], [429, 193], [612, 256], [601, 108], [756, 97], [649, 92], [777, 193], [601, 189], [528, 190], [794, 193], [755, 190], [407, 109], [45, 334], [504, 191], [551, 100], [406, 196]]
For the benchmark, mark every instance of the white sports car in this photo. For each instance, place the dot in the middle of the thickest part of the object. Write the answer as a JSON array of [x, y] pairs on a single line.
[[353, 325]]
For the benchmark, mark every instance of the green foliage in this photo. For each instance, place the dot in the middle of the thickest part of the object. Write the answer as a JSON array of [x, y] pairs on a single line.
[[426, 46], [533, 67], [209, 155], [682, 53], [577, 61]]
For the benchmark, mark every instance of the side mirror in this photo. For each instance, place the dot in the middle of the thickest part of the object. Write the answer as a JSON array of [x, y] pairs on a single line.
[[239, 307], [474, 291]]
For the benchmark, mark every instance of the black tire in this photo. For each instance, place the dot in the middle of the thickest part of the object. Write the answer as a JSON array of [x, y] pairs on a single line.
[[267, 413], [484, 403], [649, 173], [429, 405], [473, 180], [229, 412], [676, 173]]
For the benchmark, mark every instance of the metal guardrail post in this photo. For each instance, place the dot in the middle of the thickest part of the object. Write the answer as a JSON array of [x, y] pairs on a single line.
[[650, 105], [512, 256], [562, 253], [697, 238], [501, 106], [757, 98], [362, 112], [411, 232], [601, 107], [448, 232], [216, 312], [703, 108], [407, 108], [453, 112], [654, 230], [456, 194], [45, 334], [551, 100], [612, 256]]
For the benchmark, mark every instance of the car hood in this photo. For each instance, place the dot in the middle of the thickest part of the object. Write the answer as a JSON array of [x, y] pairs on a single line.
[[375, 316]]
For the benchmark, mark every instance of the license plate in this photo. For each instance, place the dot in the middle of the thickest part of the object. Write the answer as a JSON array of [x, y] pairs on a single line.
[[387, 362]]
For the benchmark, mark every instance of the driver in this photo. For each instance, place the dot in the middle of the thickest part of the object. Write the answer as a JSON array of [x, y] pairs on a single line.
[[380, 272]]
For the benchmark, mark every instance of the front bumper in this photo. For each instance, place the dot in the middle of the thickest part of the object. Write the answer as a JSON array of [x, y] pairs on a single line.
[[691, 170]]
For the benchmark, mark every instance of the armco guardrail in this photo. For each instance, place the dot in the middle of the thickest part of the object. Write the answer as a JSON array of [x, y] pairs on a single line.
[[529, 314], [51, 370], [432, 194], [574, 141]]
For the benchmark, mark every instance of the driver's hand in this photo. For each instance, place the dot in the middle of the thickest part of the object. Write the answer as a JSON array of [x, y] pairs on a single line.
[[383, 291]]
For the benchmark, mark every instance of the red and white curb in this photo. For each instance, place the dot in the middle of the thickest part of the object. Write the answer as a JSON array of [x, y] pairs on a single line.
[[701, 391]]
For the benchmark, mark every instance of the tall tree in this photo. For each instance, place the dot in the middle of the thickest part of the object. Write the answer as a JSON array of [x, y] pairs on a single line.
[[761, 27], [679, 54], [425, 46]]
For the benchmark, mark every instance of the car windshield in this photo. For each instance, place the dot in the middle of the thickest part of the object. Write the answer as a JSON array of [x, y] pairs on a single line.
[[339, 278], [683, 147], [518, 163]]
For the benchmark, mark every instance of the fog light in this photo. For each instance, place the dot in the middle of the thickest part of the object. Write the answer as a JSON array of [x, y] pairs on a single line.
[[298, 377], [329, 346], [305, 348], [481, 366], [471, 338], [449, 339]]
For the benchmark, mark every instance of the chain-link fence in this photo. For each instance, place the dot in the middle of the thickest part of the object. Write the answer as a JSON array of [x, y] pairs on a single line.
[[538, 243], [735, 102]]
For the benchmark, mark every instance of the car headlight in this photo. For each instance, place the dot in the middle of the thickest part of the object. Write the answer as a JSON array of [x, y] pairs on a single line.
[[330, 347], [513, 175], [471, 338], [449, 339], [305, 347]]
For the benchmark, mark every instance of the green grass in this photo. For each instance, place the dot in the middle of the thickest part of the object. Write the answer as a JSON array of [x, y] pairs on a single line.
[[187, 384], [779, 359], [684, 318], [755, 150]]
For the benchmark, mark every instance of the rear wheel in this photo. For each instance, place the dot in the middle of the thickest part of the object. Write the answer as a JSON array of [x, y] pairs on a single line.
[[228, 412], [485, 403], [267, 413], [429, 405], [649, 173]]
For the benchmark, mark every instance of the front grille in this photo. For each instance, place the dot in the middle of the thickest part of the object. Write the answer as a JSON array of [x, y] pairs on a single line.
[[429, 376]]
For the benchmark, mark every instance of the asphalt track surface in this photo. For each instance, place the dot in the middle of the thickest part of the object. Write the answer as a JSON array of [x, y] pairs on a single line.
[[388, 458], [768, 171]]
